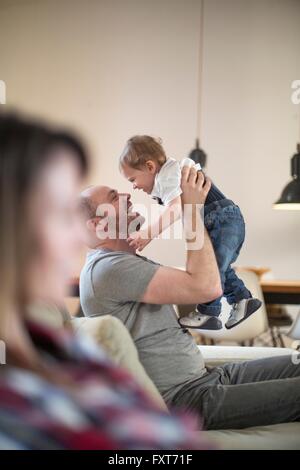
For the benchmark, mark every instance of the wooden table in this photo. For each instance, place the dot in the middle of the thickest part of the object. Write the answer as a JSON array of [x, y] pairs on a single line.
[[281, 292], [284, 293]]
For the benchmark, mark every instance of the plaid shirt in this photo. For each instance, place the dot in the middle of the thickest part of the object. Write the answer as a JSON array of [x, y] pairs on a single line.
[[101, 407]]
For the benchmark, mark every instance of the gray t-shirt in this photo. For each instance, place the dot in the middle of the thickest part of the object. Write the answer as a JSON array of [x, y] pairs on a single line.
[[113, 282]]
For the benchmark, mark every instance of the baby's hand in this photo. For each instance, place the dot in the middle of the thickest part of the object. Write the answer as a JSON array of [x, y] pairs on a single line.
[[138, 240]]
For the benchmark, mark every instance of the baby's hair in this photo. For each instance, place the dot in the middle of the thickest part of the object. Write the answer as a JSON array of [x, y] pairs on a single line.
[[141, 148]]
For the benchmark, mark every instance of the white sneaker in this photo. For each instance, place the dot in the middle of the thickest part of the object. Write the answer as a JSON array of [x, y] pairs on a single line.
[[242, 310], [200, 321]]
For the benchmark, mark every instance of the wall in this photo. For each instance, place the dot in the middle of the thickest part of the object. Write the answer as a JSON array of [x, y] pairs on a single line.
[[252, 54], [113, 68]]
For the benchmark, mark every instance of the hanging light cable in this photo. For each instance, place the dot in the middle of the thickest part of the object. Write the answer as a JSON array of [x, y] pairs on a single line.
[[197, 154], [290, 196]]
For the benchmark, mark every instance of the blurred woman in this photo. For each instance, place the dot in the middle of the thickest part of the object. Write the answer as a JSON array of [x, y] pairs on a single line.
[[56, 390]]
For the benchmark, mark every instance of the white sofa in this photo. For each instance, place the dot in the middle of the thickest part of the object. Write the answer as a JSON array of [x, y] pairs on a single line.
[[112, 335], [279, 436]]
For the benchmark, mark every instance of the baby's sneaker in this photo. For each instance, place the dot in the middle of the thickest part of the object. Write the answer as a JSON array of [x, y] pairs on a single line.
[[200, 321], [242, 310]]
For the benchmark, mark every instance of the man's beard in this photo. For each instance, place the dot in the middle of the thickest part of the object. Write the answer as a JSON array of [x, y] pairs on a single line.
[[136, 222]]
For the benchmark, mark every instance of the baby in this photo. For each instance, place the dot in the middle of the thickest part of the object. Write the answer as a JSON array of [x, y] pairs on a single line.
[[144, 163]]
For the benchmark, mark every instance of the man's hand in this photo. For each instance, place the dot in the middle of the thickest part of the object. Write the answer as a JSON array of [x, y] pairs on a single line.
[[138, 240], [195, 186]]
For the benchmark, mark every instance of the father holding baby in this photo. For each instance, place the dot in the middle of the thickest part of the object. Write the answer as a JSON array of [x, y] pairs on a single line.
[[141, 293]]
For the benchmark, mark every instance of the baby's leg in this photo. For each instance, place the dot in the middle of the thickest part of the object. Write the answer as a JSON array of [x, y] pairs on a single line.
[[206, 315], [233, 235], [226, 228], [234, 288], [223, 256], [237, 294]]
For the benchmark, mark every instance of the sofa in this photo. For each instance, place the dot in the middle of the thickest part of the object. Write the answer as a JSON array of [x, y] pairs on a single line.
[[113, 336]]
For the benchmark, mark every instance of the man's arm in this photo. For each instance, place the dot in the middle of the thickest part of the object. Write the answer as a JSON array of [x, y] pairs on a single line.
[[200, 282], [171, 214]]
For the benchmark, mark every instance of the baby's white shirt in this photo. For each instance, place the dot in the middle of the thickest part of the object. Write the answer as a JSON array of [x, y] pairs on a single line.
[[168, 179]]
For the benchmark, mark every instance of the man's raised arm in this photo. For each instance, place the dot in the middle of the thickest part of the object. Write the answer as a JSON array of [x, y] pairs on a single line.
[[200, 282]]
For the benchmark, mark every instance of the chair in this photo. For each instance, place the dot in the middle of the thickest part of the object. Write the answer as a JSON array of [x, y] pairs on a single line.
[[294, 332], [249, 329]]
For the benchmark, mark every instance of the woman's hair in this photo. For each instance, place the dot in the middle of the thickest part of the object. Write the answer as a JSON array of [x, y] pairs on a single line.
[[26, 148], [141, 148]]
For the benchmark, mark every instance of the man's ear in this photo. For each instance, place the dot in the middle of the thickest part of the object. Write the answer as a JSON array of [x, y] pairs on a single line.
[[92, 224], [150, 165]]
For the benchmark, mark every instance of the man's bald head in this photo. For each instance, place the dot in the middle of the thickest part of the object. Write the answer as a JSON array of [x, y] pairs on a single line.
[[108, 217], [92, 197]]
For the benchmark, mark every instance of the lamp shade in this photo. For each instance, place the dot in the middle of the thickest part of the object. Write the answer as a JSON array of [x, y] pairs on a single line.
[[290, 196], [198, 155]]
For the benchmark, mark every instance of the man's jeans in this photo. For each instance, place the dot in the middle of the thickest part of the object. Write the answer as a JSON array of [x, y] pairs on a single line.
[[226, 227], [252, 393]]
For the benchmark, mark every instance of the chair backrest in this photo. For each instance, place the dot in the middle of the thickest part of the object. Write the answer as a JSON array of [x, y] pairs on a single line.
[[249, 329], [294, 331], [49, 314]]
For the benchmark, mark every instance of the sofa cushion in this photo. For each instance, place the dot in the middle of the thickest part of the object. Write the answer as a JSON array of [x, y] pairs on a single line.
[[217, 355], [110, 333], [49, 315], [276, 436]]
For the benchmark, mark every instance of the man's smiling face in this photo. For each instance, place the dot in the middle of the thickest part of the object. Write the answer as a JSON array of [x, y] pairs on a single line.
[[115, 207]]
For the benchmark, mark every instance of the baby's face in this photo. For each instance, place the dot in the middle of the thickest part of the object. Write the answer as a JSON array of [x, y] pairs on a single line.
[[140, 178]]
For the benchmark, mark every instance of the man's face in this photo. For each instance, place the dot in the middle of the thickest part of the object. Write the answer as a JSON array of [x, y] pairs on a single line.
[[114, 210]]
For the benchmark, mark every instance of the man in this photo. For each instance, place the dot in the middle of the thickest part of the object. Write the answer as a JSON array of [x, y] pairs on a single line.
[[141, 293]]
